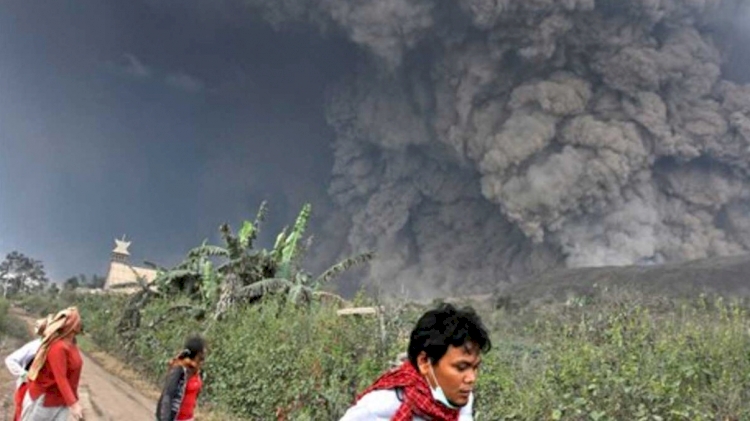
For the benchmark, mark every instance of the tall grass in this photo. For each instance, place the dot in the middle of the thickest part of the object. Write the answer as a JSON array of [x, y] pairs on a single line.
[[11, 326], [609, 359], [623, 361]]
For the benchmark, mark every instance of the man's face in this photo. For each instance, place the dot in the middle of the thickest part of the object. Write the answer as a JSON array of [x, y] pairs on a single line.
[[456, 372]]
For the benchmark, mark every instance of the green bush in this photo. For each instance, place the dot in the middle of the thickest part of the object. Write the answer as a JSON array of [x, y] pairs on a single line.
[[623, 362], [9, 325], [322, 358], [40, 305], [308, 364], [587, 360]]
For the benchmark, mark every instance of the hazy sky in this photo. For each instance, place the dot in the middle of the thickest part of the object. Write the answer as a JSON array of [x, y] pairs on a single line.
[[152, 121], [161, 119]]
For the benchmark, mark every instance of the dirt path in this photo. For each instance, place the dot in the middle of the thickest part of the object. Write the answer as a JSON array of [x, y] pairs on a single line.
[[7, 382], [106, 397]]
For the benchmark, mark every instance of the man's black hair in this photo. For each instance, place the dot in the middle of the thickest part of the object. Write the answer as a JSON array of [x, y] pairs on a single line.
[[444, 326], [194, 345]]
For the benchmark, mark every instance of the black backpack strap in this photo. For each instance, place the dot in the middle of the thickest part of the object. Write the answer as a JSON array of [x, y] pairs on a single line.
[[400, 394]]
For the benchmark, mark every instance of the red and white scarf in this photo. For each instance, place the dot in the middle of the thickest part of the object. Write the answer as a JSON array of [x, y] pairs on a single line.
[[417, 396]]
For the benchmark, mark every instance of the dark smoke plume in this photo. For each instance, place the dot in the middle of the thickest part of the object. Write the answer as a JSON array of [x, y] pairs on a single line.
[[482, 141]]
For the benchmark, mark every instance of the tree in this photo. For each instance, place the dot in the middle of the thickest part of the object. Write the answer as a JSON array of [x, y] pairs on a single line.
[[220, 277], [95, 282], [245, 274], [82, 281], [289, 278], [72, 283], [53, 289], [19, 273]]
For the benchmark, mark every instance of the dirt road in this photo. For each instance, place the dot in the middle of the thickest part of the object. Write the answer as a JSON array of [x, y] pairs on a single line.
[[106, 397]]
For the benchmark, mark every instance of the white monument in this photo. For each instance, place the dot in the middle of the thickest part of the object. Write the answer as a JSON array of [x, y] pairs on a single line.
[[122, 276]]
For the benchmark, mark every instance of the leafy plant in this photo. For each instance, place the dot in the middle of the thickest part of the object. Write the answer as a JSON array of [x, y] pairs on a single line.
[[219, 277]]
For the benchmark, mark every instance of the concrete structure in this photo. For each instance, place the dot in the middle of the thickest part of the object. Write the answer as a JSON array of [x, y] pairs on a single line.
[[122, 276]]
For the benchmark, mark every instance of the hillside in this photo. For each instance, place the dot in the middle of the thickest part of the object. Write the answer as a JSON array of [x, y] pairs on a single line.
[[726, 276]]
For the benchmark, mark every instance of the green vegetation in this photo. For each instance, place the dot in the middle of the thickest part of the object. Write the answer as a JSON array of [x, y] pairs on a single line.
[[21, 274], [586, 359], [278, 351], [9, 325], [217, 278], [615, 360], [263, 359]]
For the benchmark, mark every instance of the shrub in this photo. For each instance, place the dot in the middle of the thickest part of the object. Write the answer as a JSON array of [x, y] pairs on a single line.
[[624, 362], [583, 360], [9, 325]]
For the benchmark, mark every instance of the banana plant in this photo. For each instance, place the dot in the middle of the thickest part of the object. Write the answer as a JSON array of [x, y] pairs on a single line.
[[303, 288], [221, 276]]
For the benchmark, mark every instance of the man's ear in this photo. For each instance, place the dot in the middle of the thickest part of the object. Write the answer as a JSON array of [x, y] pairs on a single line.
[[423, 363]]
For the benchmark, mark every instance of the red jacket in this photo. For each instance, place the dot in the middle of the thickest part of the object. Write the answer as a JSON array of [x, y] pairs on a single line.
[[180, 394], [58, 378], [192, 390]]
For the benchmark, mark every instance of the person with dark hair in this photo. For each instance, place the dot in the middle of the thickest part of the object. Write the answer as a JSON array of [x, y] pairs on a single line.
[[183, 383], [436, 382]]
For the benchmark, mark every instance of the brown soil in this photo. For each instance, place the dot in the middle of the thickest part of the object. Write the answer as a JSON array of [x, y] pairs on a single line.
[[7, 382]]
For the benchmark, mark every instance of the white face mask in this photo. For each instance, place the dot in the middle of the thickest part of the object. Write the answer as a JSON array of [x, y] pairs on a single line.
[[437, 392]]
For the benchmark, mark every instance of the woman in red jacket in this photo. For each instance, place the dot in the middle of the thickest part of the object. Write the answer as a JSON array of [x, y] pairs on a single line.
[[183, 384], [55, 372], [19, 363]]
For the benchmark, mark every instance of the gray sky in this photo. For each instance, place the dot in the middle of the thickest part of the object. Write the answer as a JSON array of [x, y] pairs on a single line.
[[155, 122], [162, 119]]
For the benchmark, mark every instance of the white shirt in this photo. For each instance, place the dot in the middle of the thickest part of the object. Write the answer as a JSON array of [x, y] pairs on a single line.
[[380, 405], [20, 358]]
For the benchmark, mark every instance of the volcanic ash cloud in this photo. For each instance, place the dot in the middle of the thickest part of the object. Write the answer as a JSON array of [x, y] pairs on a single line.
[[482, 141]]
